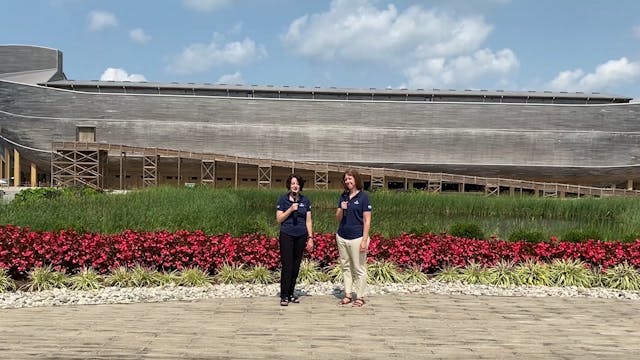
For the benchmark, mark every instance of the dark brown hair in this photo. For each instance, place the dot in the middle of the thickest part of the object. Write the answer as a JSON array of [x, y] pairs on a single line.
[[356, 177], [298, 177]]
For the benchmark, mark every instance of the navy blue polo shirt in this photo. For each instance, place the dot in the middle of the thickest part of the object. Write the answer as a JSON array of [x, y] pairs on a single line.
[[352, 224], [296, 223]]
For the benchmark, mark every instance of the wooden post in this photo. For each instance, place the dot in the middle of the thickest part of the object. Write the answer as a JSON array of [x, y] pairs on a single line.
[[16, 168], [7, 165], [179, 171], [236, 173], [34, 175]]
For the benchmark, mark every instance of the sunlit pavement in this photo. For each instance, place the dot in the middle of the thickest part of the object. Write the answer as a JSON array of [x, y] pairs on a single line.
[[389, 326]]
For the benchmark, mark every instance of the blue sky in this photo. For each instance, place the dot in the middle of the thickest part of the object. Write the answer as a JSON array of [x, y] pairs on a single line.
[[581, 45]]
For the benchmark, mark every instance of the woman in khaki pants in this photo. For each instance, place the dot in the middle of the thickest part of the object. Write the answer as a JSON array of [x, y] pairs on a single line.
[[354, 215]]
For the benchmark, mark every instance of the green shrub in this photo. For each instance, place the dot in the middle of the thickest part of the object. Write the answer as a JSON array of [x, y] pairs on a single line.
[[120, 277], [259, 274], [529, 235], [532, 272], [335, 273], [310, 272], [164, 278], [467, 230], [30, 195], [383, 272], [569, 273], [449, 274], [622, 277], [6, 282], [475, 273], [578, 235], [86, 279], [414, 275], [143, 277], [45, 278], [502, 274], [231, 274], [194, 277]]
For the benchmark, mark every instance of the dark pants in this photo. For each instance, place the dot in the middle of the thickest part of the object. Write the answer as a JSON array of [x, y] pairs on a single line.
[[291, 249]]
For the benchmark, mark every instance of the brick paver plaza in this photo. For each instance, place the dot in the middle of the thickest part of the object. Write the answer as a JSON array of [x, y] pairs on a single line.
[[389, 327]]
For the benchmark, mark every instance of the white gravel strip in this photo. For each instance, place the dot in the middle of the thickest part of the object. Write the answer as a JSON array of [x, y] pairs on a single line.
[[114, 295]]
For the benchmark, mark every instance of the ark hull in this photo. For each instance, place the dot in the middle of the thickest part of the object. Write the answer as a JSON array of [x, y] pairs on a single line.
[[586, 144]]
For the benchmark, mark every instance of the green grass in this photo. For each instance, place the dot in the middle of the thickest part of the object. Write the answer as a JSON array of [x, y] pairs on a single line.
[[245, 211]]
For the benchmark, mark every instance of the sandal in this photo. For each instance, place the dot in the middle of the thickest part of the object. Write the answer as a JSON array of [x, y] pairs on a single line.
[[345, 300], [284, 302], [294, 299], [359, 303]]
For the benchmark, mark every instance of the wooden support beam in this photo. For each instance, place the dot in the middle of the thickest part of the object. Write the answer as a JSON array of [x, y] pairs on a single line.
[[264, 176], [34, 175], [16, 168], [7, 165], [208, 172]]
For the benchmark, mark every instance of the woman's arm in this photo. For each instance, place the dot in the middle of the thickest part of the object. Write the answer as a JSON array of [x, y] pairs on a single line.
[[309, 232], [366, 216], [283, 215]]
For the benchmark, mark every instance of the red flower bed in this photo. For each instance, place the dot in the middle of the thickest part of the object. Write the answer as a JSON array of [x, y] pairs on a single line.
[[22, 249]]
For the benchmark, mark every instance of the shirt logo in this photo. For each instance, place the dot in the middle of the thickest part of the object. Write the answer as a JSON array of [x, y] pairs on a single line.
[[356, 202]]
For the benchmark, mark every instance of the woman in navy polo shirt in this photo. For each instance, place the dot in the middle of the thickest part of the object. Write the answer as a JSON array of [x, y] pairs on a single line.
[[354, 216], [296, 230]]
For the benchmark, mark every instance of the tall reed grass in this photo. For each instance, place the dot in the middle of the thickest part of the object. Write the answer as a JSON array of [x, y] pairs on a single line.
[[253, 210]]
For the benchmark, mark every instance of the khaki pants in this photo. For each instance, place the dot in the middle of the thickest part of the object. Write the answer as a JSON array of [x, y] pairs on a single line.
[[354, 266]]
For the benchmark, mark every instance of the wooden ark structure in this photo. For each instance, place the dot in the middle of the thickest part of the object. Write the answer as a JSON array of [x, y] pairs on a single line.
[[133, 134]]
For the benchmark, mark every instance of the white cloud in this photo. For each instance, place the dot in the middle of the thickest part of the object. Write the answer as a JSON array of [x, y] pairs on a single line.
[[461, 70], [117, 74], [606, 76], [205, 5], [636, 31], [100, 20], [235, 78], [203, 57], [431, 48], [139, 36], [357, 30]]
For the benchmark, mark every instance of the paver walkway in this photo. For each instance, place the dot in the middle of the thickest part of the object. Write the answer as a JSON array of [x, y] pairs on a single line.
[[389, 327]]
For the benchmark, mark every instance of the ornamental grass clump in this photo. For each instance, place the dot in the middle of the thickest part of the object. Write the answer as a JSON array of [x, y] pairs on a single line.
[[414, 275], [143, 277], [502, 274], [86, 279], [231, 274], [259, 274], [622, 277], [532, 272], [564, 272], [45, 278], [194, 277], [164, 278], [335, 273], [475, 273], [449, 273], [6, 282], [383, 272], [310, 272], [120, 277]]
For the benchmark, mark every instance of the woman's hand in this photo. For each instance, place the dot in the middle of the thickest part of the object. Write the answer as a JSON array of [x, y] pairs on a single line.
[[309, 244], [364, 244], [294, 207]]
